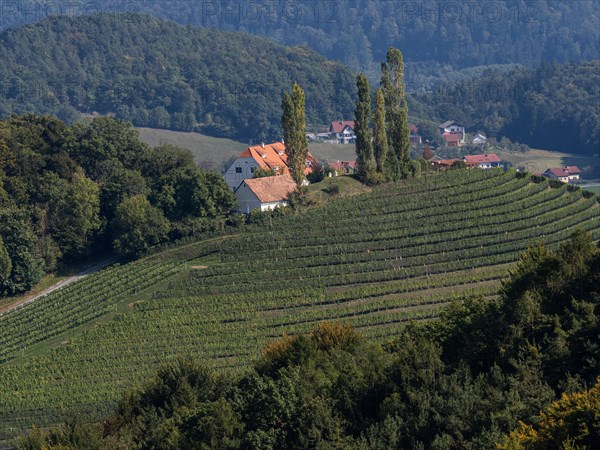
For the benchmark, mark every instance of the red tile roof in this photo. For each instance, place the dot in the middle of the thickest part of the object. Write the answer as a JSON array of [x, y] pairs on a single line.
[[342, 165], [482, 159], [564, 171], [272, 156], [445, 162], [451, 137], [271, 189], [338, 127], [414, 129]]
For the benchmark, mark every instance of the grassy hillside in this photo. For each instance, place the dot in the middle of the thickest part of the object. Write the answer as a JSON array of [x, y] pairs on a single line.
[[374, 260], [207, 150], [213, 151]]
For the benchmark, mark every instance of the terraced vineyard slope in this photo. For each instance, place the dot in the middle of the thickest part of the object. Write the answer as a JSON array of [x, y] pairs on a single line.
[[399, 253]]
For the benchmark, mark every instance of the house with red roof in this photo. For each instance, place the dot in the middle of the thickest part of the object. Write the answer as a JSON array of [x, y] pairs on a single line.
[[269, 157], [443, 163], [343, 131], [450, 130], [487, 161], [265, 193], [452, 139], [564, 174], [342, 167]]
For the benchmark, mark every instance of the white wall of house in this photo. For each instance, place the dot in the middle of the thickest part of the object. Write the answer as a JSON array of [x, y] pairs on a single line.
[[455, 129], [248, 201], [270, 206], [241, 169]]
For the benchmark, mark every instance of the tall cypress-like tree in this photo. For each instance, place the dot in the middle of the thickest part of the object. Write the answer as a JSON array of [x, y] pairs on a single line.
[[364, 136], [392, 83], [293, 122], [403, 139], [380, 147]]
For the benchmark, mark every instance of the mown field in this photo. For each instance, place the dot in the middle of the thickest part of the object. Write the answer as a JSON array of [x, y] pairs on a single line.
[[376, 260], [213, 151]]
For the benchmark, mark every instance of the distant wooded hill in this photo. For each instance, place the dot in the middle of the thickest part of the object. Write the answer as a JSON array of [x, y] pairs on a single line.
[[358, 32], [556, 106], [160, 74]]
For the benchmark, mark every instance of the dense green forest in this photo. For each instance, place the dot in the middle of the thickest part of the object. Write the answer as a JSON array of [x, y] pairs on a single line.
[[554, 106], [163, 75], [230, 84], [444, 35], [67, 192], [464, 381]]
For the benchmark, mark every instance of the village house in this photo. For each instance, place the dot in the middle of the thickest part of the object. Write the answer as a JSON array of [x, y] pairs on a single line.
[[487, 161], [342, 167], [343, 132], [439, 163], [266, 157], [452, 127], [452, 139], [415, 139], [564, 174], [480, 139], [265, 193], [453, 133]]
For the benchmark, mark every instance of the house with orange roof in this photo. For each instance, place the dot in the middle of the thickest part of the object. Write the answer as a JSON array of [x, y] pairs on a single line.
[[265, 193], [487, 161], [265, 156]]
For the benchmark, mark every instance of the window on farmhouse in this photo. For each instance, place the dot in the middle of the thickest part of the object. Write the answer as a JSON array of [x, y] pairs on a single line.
[[238, 170], [252, 169]]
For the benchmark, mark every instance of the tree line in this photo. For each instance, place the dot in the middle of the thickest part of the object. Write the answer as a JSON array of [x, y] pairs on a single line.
[[160, 74], [553, 106], [436, 36], [68, 192], [383, 137], [477, 378]]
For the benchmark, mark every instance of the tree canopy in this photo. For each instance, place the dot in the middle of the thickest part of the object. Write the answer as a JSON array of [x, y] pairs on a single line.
[[551, 107], [437, 36], [160, 74], [66, 192]]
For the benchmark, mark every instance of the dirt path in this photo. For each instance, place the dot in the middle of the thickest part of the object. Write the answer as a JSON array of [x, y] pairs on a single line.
[[9, 307]]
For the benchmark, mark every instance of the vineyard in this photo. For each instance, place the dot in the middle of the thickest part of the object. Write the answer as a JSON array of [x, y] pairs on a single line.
[[377, 260]]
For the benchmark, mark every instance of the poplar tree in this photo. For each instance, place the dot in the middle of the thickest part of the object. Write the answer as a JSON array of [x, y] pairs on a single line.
[[398, 132], [293, 122], [364, 136], [380, 146]]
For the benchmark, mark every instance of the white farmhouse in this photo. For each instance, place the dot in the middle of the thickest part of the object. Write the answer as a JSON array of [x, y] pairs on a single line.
[[264, 193], [343, 131], [452, 127], [267, 157], [565, 174]]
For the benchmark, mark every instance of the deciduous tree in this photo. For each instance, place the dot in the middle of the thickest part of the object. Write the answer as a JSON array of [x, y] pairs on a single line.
[[398, 132], [364, 135], [380, 144], [138, 226], [293, 122]]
